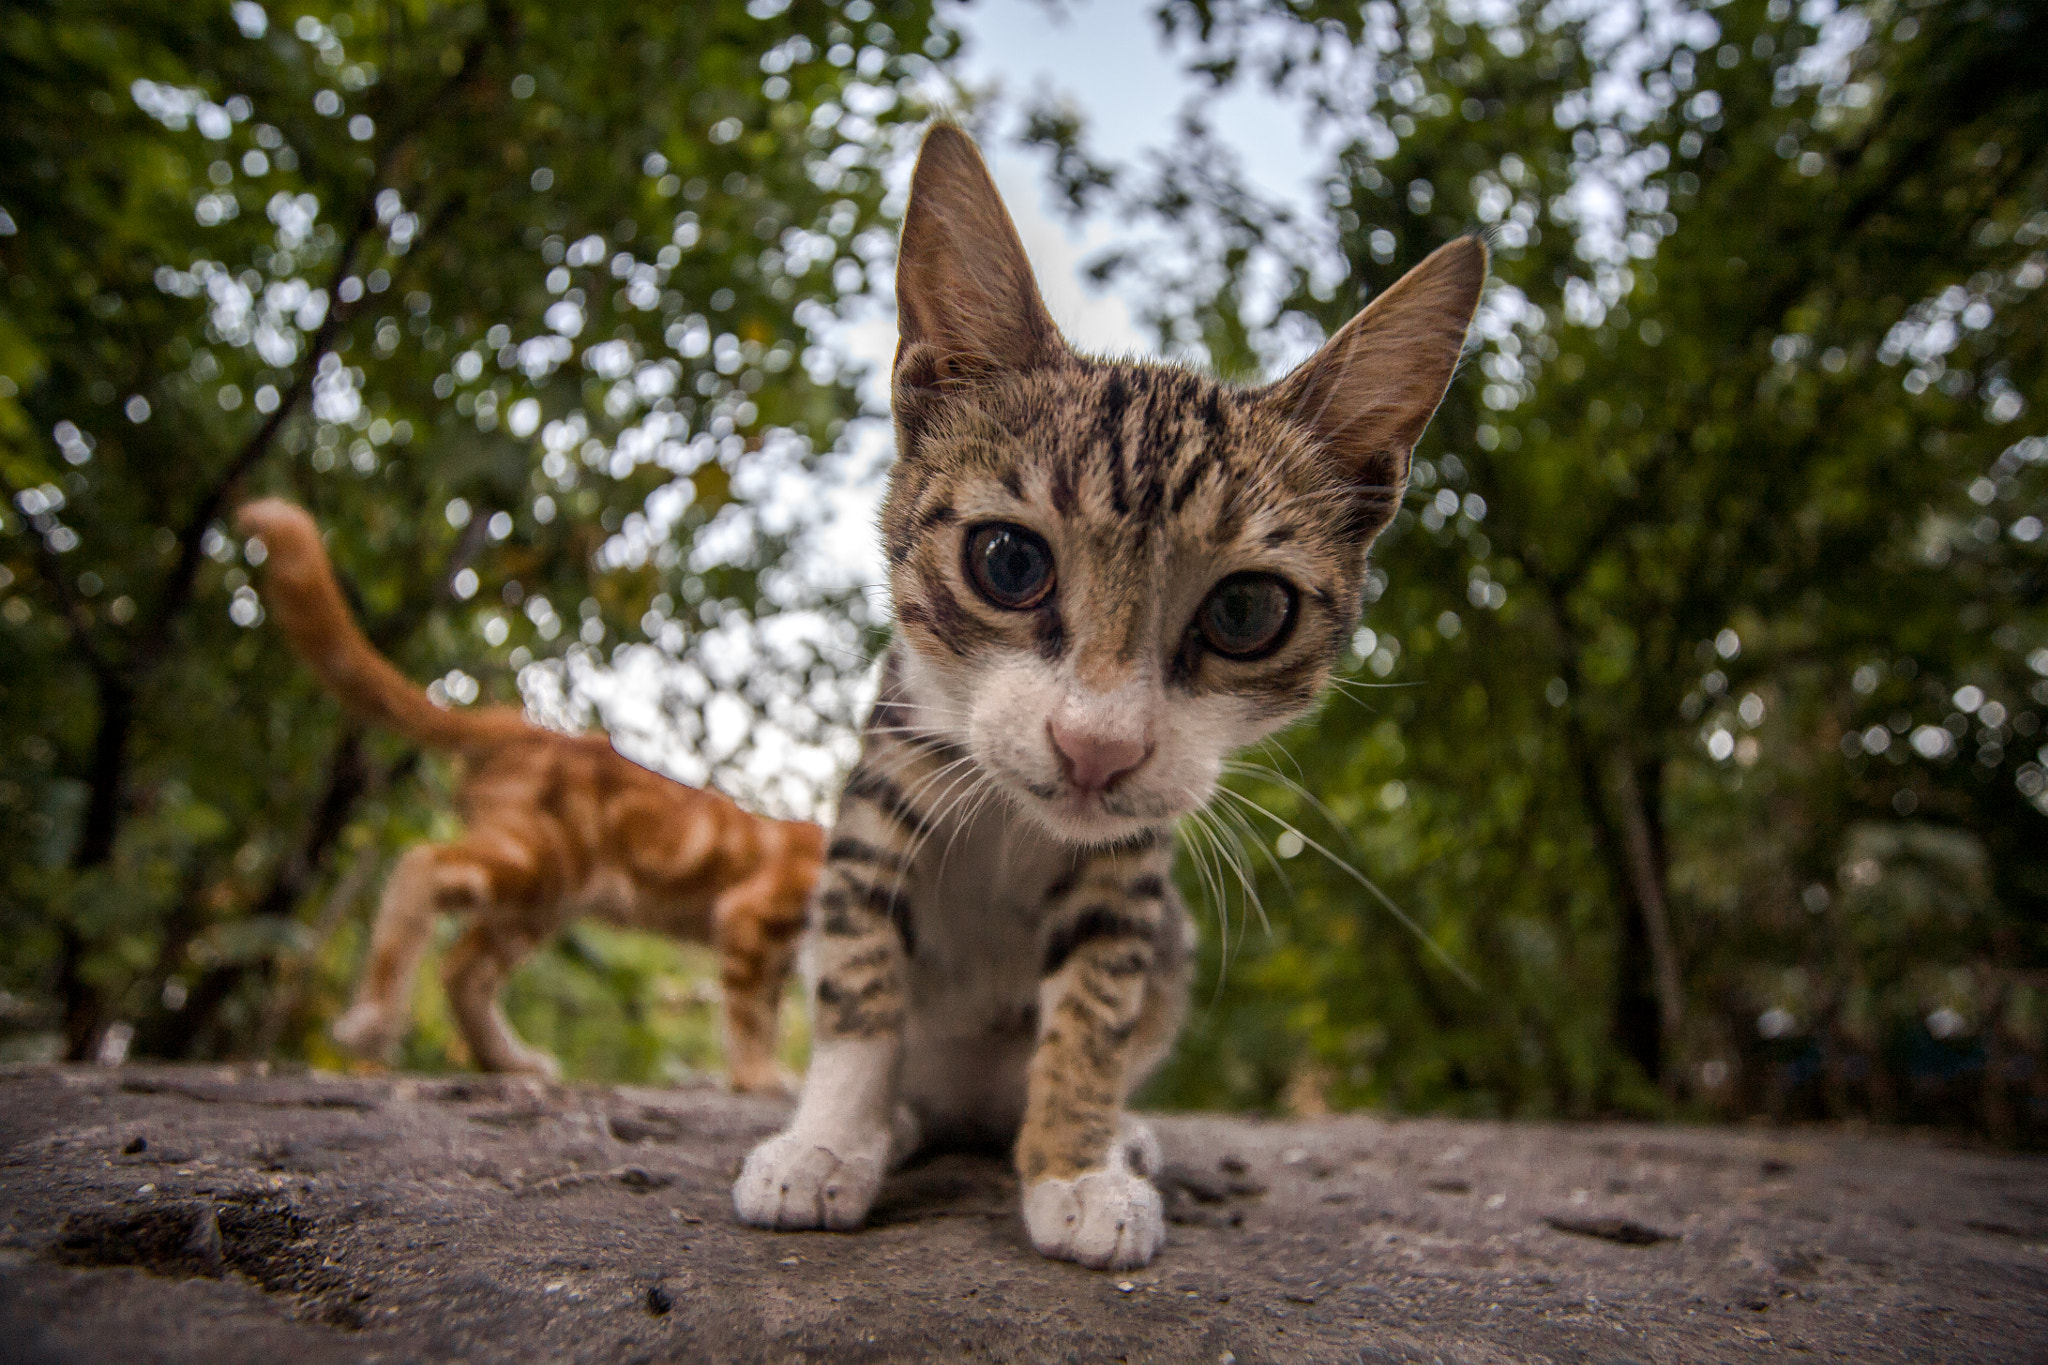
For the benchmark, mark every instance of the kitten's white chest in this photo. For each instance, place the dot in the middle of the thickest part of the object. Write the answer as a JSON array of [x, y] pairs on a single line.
[[978, 898]]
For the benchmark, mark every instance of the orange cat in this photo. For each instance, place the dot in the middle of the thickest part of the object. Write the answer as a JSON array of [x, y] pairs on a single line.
[[558, 826]]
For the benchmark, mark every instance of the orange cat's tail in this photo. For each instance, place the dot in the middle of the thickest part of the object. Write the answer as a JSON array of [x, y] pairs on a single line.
[[304, 598]]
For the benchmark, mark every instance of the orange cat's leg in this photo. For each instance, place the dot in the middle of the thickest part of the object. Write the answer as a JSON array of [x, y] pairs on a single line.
[[477, 968], [377, 1019], [758, 924]]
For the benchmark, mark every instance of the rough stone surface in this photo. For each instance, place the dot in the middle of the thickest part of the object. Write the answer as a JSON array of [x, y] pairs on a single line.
[[160, 1214]]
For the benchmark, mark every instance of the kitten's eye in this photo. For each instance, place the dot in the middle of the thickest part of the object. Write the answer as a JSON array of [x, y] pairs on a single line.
[[1010, 566], [1247, 615]]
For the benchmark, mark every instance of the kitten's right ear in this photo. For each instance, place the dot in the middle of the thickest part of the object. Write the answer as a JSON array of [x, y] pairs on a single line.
[[967, 305], [1372, 388]]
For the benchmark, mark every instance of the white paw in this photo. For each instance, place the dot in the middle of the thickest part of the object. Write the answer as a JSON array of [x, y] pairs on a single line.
[[1107, 1220], [791, 1181]]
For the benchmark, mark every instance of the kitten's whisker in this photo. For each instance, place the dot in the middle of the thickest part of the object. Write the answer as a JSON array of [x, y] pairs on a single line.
[[1274, 746], [985, 792], [1234, 856], [900, 762], [924, 784], [1402, 915], [1213, 891], [1212, 868], [978, 790], [1262, 770], [1229, 823], [973, 779], [844, 653], [1350, 687], [910, 731], [953, 773], [1246, 830], [1348, 683]]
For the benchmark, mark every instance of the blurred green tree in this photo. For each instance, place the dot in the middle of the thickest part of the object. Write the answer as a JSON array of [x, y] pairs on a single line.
[[516, 297], [1712, 636]]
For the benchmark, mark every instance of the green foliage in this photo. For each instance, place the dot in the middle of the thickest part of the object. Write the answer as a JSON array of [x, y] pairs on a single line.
[[512, 296], [1706, 741], [1695, 724]]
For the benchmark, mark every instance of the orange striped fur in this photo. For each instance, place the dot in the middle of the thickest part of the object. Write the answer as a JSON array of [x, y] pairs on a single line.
[[556, 827]]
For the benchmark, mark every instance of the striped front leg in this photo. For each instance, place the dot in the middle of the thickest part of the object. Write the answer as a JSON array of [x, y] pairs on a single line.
[[824, 1170], [1108, 1001]]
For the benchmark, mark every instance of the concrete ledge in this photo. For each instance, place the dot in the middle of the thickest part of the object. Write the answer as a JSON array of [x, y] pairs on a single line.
[[185, 1214]]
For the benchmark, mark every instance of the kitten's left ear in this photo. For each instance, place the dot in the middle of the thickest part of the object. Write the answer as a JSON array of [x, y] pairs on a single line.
[[967, 305], [1371, 389]]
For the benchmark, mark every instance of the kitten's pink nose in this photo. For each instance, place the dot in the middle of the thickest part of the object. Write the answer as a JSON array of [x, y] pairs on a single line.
[[1094, 762]]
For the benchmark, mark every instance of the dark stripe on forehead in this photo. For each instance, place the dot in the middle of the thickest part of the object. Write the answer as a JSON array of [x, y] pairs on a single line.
[[1109, 434], [1198, 466], [1159, 435], [1214, 427], [1230, 520], [1212, 453], [1063, 485]]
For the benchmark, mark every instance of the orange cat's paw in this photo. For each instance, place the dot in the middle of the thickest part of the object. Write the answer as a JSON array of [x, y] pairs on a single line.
[[766, 1080], [365, 1032], [538, 1066]]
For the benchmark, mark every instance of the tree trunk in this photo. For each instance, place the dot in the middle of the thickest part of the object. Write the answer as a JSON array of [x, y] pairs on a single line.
[[1639, 787], [1637, 1023], [109, 768], [77, 997]]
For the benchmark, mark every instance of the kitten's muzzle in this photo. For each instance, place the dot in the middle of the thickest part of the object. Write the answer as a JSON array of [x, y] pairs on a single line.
[[1095, 762]]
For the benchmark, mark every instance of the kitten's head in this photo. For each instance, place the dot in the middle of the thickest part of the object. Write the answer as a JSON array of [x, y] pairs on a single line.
[[1112, 574]]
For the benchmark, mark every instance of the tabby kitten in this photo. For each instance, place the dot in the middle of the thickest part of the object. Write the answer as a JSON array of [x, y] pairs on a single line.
[[1108, 576]]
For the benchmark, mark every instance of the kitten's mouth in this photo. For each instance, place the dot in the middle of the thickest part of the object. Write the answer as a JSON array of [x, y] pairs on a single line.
[[1093, 817]]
